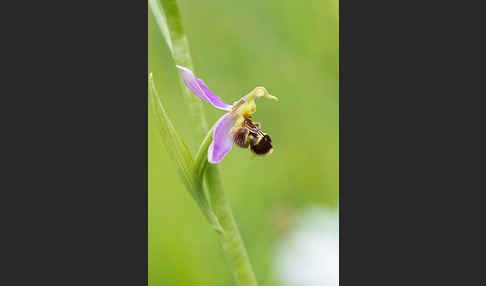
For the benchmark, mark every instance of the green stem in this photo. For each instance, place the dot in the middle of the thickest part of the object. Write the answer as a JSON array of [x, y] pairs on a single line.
[[230, 237], [168, 17], [169, 20]]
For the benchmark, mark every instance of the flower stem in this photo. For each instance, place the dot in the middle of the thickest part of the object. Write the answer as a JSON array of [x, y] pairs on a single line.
[[168, 17], [230, 237]]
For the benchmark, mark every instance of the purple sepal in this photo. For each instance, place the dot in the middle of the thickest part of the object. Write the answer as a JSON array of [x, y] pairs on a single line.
[[199, 88]]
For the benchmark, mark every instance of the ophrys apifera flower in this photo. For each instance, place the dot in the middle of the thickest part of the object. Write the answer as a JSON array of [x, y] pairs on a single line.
[[235, 126]]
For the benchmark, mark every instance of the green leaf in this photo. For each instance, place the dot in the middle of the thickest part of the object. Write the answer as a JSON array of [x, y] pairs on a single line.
[[168, 18], [161, 20], [179, 153], [174, 143]]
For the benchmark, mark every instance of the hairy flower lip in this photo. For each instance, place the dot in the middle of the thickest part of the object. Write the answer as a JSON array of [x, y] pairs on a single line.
[[240, 137], [237, 116]]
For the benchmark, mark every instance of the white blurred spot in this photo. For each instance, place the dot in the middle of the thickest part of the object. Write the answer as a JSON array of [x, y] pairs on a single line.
[[309, 254]]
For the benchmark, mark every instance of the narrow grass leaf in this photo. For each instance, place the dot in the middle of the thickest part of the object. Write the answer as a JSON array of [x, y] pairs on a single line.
[[168, 18], [180, 154]]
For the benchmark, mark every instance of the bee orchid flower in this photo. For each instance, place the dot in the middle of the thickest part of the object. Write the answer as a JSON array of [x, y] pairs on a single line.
[[235, 126]]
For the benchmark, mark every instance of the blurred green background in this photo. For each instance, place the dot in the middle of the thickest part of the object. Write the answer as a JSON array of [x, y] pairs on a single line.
[[291, 48]]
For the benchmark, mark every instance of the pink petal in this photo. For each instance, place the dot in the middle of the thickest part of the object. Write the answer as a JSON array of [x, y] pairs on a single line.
[[222, 141], [199, 88]]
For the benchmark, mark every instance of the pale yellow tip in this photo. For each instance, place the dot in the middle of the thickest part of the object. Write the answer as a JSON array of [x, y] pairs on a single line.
[[260, 91], [271, 97]]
